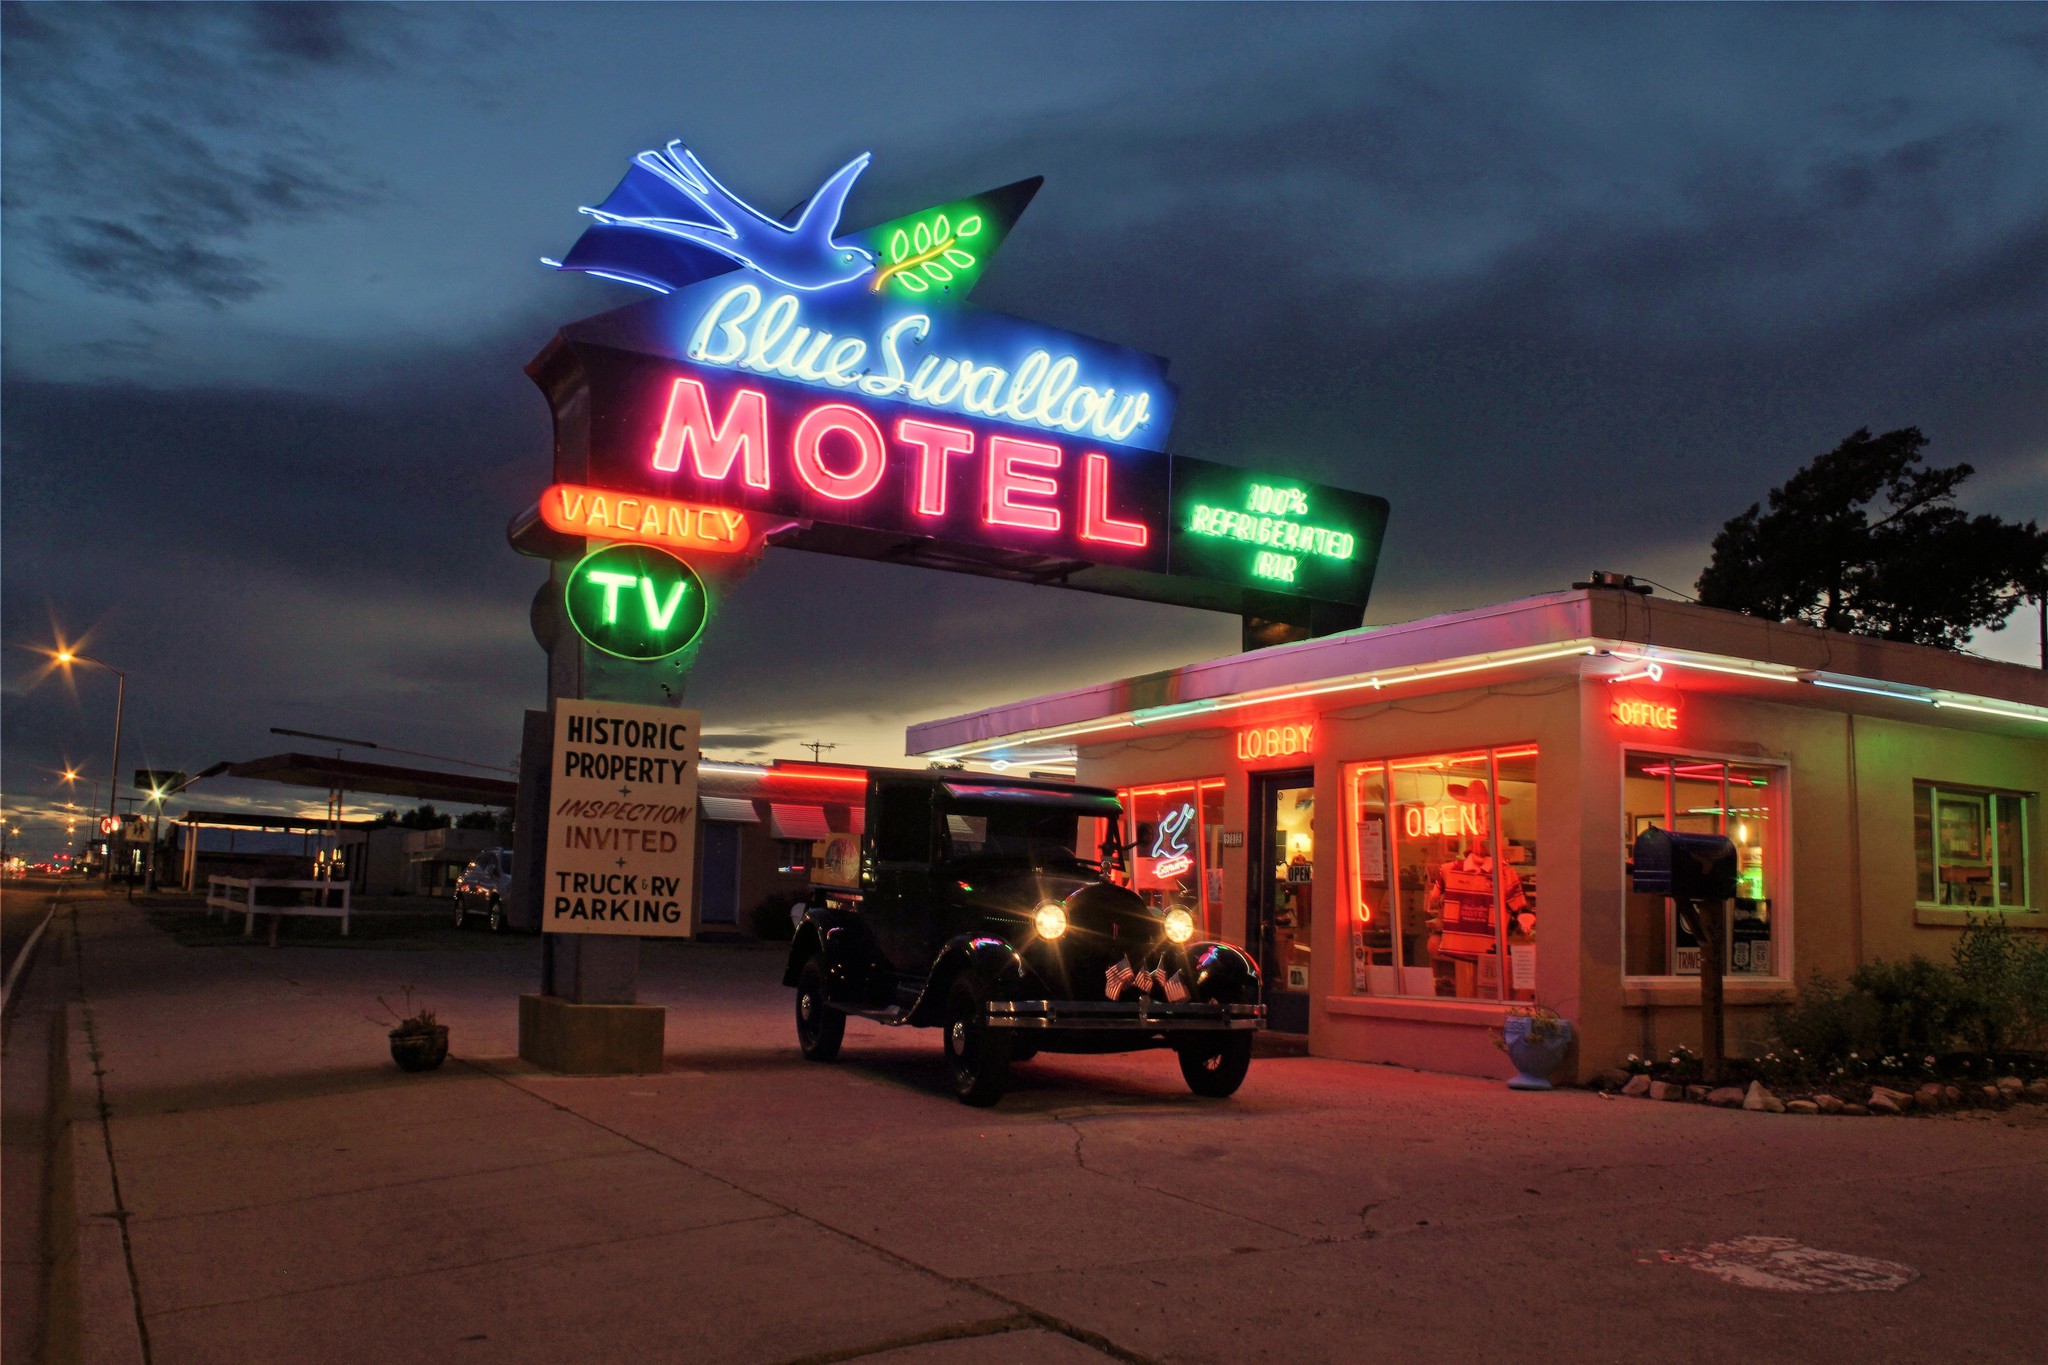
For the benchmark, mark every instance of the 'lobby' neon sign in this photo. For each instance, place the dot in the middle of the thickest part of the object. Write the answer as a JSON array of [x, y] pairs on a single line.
[[1274, 741]]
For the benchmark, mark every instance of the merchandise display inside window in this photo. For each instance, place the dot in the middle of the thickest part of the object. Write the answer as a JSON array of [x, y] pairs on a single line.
[[1443, 861], [1177, 857], [1745, 802], [1970, 848]]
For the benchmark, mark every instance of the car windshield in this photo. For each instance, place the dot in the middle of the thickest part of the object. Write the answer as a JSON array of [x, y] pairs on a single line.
[[1031, 835]]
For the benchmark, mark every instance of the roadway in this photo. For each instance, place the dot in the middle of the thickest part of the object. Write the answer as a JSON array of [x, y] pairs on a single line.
[[287, 1194]]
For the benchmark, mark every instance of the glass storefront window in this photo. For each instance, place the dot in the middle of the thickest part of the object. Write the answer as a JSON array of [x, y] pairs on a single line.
[[1706, 796], [1177, 857], [1443, 871], [1970, 848]]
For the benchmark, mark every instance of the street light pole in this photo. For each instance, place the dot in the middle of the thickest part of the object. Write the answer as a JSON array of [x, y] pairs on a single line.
[[67, 658]]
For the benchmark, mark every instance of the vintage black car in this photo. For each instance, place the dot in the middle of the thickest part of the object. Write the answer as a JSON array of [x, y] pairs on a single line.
[[979, 913]]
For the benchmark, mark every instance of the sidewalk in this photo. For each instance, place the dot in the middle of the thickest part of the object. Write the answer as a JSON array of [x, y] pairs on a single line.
[[288, 1195]]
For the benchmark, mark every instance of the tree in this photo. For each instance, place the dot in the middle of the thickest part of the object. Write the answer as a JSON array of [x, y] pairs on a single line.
[[1867, 539]]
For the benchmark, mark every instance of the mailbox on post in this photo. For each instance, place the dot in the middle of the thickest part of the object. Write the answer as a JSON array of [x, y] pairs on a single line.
[[1698, 872], [1685, 867]]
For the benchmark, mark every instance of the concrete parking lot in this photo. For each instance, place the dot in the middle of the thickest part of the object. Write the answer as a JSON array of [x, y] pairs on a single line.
[[287, 1194]]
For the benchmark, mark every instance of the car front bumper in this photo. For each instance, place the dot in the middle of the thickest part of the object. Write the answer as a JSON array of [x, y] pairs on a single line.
[[1138, 1016]]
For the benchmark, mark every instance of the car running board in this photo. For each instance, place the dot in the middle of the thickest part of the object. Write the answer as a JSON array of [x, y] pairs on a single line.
[[895, 1015]]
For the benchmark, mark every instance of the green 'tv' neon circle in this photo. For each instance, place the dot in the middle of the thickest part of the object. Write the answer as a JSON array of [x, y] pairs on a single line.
[[635, 601]]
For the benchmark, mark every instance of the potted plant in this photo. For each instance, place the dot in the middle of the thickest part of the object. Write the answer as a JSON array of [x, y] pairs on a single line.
[[417, 1043], [1535, 1037]]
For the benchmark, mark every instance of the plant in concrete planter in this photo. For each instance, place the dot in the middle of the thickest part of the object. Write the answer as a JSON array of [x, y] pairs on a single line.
[[417, 1043], [1535, 1037]]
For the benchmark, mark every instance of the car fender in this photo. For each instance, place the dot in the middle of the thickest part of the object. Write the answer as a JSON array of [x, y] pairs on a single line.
[[995, 966], [837, 934], [1223, 972]]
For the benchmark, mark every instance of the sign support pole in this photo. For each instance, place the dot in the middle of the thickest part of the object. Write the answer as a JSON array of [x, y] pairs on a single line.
[[587, 1018]]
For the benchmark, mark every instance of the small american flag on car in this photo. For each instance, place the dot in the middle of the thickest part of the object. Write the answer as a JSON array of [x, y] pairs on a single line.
[[1176, 989], [1118, 977]]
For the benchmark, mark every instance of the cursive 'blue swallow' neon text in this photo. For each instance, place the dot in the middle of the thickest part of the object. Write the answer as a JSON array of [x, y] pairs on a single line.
[[745, 330]]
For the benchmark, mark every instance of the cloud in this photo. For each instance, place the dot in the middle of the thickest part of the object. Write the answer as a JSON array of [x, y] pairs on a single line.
[[147, 145]]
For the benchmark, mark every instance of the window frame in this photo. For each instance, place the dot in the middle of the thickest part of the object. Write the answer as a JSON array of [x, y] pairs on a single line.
[[1935, 790], [1196, 787], [1350, 866], [1785, 930]]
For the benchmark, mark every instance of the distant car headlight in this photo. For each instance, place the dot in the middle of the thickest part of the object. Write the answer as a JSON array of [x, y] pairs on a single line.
[[1180, 925], [1051, 920]]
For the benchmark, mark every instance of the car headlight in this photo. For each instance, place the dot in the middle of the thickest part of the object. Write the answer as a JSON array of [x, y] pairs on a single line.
[[1051, 920], [1180, 925]]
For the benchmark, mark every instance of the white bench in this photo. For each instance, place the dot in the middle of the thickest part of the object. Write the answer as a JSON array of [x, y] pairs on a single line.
[[233, 895]]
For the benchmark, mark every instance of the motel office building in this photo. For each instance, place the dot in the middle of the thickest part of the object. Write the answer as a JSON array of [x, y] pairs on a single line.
[[1418, 825]]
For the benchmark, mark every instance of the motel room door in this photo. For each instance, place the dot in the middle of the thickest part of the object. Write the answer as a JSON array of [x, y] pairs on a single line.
[[718, 875], [1282, 875]]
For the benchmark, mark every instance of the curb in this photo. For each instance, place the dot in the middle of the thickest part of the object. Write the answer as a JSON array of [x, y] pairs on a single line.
[[94, 1319], [24, 957]]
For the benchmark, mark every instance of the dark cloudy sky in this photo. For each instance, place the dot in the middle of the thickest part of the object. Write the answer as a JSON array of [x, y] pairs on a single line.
[[1570, 286]]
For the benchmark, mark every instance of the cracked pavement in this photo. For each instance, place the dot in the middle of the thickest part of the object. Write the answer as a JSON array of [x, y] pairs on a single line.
[[290, 1195]]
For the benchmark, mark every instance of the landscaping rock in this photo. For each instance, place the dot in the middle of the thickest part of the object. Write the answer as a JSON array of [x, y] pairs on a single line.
[[1727, 1097], [2013, 1086], [1930, 1098], [1801, 1107], [1898, 1099], [1638, 1085], [1881, 1102], [1697, 1094], [1773, 1105], [1829, 1104], [1953, 1095], [1754, 1099], [2038, 1090], [1856, 1111], [1993, 1096], [1613, 1078], [1666, 1090]]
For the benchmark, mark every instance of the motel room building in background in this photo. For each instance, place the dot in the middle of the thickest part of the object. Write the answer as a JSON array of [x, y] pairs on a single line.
[[1416, 826]]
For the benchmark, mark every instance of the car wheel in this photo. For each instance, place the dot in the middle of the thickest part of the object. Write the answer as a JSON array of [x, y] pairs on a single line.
[[459, 913], [977, 1057], [497, 919], [819, 1027], [1215, 1067]]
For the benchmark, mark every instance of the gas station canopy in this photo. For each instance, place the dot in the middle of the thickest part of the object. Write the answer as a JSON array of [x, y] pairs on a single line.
[[383, 779]]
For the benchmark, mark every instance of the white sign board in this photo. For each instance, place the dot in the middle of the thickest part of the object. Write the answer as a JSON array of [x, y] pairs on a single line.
[[622, 820]]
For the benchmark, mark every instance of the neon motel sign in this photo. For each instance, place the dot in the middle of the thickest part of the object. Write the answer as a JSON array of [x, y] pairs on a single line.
[[840, 388]]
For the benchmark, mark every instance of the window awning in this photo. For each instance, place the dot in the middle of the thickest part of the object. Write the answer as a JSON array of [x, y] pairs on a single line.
[[730, 810], [798, 822], [1081, 800]]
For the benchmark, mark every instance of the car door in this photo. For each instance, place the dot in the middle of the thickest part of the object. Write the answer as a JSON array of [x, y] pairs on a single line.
[[898, 876]]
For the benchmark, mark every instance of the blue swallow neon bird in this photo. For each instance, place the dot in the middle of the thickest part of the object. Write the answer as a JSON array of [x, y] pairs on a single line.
[[677, 192]]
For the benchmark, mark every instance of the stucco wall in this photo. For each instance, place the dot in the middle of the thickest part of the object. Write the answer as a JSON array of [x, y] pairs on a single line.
[[1845, 885]]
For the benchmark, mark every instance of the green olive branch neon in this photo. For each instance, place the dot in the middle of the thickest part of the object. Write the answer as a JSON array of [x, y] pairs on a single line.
[[894, 268]]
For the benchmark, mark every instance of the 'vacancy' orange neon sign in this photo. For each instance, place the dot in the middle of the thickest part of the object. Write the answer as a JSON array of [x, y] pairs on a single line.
[[606, 515]]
